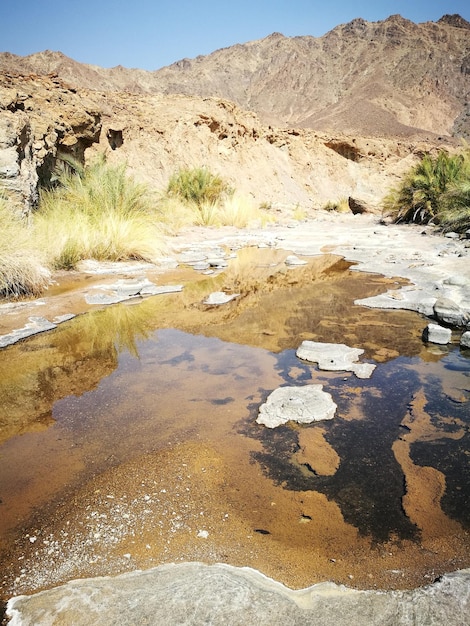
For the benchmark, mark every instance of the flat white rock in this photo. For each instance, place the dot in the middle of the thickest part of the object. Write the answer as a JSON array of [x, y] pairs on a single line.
[[297, 404], [335, 357]]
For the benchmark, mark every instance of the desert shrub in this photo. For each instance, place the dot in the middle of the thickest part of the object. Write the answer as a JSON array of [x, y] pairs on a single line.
[[341, 205], [240, 211], [99, 212], [420, 197], [21, 268], [198, 186]]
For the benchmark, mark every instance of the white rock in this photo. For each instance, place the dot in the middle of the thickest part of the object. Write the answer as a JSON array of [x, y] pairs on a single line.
[[220, 297], [437, 334], [335, 357], [465, 339], [293, 260], [298, 404]]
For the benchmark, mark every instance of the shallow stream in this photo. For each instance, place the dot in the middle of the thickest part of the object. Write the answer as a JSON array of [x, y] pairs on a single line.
[[128, 437]]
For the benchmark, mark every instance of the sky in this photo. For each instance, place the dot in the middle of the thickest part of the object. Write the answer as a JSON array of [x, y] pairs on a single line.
[[150, 34]]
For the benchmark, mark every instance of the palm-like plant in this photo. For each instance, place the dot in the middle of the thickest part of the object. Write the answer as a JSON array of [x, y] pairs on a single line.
[[419, 197]]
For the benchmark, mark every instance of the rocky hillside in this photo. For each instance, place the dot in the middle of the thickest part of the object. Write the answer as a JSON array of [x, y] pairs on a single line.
[[389, 78], [287, 121], [42, 118]]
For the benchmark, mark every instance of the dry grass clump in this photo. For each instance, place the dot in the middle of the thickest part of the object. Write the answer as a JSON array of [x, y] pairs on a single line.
[[22, 271], [100, 213], [341, 205]]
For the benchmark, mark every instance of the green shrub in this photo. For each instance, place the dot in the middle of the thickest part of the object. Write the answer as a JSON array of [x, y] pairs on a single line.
[[420, 197], [455, 212], [99, 213], [198, 186], [22, 272]]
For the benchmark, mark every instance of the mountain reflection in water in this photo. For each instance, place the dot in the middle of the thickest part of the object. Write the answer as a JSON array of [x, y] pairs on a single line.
[[128, 392]]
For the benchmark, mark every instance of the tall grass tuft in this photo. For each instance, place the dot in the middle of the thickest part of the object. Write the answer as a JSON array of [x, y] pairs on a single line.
[[99, 213], [198, 186], [22, 272]]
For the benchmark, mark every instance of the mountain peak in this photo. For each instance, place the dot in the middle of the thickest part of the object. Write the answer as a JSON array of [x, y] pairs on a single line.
[[455, 20]]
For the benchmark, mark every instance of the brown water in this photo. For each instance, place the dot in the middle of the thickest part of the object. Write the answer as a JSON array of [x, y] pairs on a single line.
[[129, 438]]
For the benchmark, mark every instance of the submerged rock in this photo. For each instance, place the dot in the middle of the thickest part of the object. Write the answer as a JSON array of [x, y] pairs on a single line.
[[125, 289], [195, 594], [297, 404], [292, 261], [35, 325], [335, 357], [220, 297]]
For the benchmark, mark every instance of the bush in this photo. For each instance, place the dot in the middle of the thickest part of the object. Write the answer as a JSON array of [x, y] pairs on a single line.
[[21, 270], [421, 196], [455, 212], [98, 212], [198, 186]]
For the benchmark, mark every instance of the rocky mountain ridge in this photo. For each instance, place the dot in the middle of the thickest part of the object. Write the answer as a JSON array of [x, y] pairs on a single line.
[[387, 78], [317, 119]]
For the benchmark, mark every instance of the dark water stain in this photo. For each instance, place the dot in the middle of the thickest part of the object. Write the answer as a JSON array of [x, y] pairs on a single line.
[[369, 484], [449, 455]]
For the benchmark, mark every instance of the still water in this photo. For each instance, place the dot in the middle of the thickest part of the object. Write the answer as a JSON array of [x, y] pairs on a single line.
[[128, 437]]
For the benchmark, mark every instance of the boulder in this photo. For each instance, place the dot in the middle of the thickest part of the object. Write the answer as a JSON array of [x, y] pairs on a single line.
[[297, 404], [437, 334], [335, 357], [447, 311], [465, 340], [357, 206]]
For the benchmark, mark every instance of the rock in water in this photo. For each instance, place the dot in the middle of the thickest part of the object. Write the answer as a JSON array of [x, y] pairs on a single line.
[[335, 357], [437, 334], [297, 404]]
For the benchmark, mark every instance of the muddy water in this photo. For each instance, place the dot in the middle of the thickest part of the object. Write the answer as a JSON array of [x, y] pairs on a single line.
[[129, 437]]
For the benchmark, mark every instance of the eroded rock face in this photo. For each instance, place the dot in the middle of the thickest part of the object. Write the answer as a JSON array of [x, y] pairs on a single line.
[[193, 594], [40, 120], [43, 119], [303, 405]]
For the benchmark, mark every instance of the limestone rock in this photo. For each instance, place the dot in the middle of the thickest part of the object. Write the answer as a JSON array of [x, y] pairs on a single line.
[[447, 311], [125, 289], [465, 339], [220, 297], [437, 334], [335, 357], [194, 594], [297, 404], [35, 325]]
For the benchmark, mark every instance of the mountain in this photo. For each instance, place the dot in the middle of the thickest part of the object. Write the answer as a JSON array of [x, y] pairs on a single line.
[[387, 78]]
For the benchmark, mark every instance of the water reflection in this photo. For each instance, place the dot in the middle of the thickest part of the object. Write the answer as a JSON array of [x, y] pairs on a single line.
[[95, 396]]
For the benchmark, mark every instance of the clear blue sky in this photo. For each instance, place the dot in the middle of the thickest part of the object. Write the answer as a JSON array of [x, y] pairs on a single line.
[[150, 34]]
